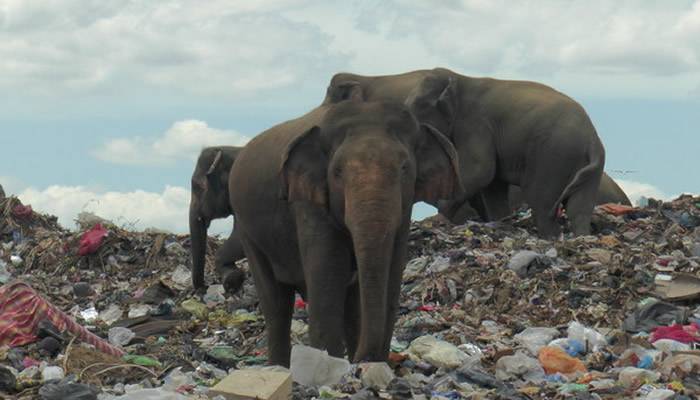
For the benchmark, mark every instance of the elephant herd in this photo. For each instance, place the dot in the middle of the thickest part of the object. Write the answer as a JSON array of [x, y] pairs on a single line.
[[322, 203]]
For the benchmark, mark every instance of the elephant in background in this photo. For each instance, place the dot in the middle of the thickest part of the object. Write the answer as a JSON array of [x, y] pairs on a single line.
[[608, 192], [506, 133], [210, 200], [323, 206]]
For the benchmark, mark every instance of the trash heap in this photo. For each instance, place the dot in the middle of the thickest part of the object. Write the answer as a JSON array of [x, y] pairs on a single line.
[[487, 310]]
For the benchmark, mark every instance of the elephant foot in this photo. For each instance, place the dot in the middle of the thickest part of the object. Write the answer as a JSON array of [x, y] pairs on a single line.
[[200, 290], [234, 281]]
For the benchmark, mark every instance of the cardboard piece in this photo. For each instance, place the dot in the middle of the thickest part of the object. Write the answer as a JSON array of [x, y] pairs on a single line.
[[681, 287], [254, 384]]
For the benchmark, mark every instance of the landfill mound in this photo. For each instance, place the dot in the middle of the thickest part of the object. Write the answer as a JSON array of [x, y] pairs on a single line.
[[487, 310]]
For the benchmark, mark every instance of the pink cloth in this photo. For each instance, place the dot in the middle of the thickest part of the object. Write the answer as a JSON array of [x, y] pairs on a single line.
[[679, 333], [92, 240], [21, 310]]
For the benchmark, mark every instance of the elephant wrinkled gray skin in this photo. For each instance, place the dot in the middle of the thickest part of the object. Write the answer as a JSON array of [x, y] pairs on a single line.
[[323, 206], [506, 133], [608, 192], [210, 200]]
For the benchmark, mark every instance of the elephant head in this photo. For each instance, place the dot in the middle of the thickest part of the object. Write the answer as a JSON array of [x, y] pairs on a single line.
[[366, 164], [210, 200], [434, 101]]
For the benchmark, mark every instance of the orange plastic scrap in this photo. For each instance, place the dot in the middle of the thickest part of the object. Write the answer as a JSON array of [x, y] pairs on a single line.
[[616, 209], [554, 359]]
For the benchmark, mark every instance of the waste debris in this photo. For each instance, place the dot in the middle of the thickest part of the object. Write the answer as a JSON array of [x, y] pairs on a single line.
[[487, 310]]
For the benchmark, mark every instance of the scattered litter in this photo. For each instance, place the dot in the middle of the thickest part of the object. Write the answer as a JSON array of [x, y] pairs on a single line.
[[485, 311]]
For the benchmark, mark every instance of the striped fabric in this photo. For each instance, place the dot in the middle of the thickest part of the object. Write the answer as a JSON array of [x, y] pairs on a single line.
[[21, 310]]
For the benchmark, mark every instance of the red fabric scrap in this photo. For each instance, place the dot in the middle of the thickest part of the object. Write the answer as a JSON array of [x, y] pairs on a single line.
[[21, 211], [21, 311], [300, 303], [427, 307], [679, 333], [92, 240]]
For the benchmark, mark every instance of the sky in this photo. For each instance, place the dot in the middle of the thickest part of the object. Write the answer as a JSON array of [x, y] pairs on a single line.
[[105, 104]]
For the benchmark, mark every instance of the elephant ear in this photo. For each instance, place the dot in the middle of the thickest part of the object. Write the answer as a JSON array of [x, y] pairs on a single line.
[[435, 93], [348, 90], [438, 175], [214, 163], [303, 170], [207, 163]]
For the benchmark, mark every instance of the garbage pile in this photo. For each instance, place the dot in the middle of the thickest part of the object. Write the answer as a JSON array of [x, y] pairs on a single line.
[[487, 310]]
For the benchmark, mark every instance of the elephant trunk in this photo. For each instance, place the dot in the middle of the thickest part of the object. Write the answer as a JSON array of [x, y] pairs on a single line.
[[198, 239], [373, 216]]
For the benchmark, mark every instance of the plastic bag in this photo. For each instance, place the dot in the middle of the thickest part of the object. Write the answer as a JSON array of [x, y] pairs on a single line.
[[535, 338], [554, 359], [591, 339], [313, 367], [92, 240]]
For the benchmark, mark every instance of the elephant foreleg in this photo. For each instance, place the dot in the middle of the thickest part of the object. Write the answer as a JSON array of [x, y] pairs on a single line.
[[477, 162], [495, 198], [326, 257]]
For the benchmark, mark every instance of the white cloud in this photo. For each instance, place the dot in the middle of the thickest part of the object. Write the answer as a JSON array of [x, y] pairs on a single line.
[[241, 49], [636, 190], [212, 47], [183, 140], [593, 47], [10, 185], [138, 209]]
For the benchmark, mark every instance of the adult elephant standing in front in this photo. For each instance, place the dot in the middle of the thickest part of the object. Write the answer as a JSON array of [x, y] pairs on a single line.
[[323, 206], [505, 132], [210, 200]]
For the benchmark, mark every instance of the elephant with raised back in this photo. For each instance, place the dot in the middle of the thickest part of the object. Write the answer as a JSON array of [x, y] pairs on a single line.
[[506, 133], [323, 206], [210, 200]]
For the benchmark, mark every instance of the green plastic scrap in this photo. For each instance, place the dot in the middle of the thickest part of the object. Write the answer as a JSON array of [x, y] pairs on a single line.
[[195, 308], [573, 388], [141, 360], [225, 318]]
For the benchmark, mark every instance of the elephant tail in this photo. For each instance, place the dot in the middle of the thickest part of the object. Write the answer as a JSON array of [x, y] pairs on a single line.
[[596, 162]]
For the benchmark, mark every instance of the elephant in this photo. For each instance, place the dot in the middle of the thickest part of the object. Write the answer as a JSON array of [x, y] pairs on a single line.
[[209, 201], [323, 203], [608, 192], [506, 133]]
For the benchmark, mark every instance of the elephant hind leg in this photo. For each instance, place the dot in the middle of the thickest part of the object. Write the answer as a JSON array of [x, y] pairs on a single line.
[[276, 301], [541, 194], [579, 207]]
